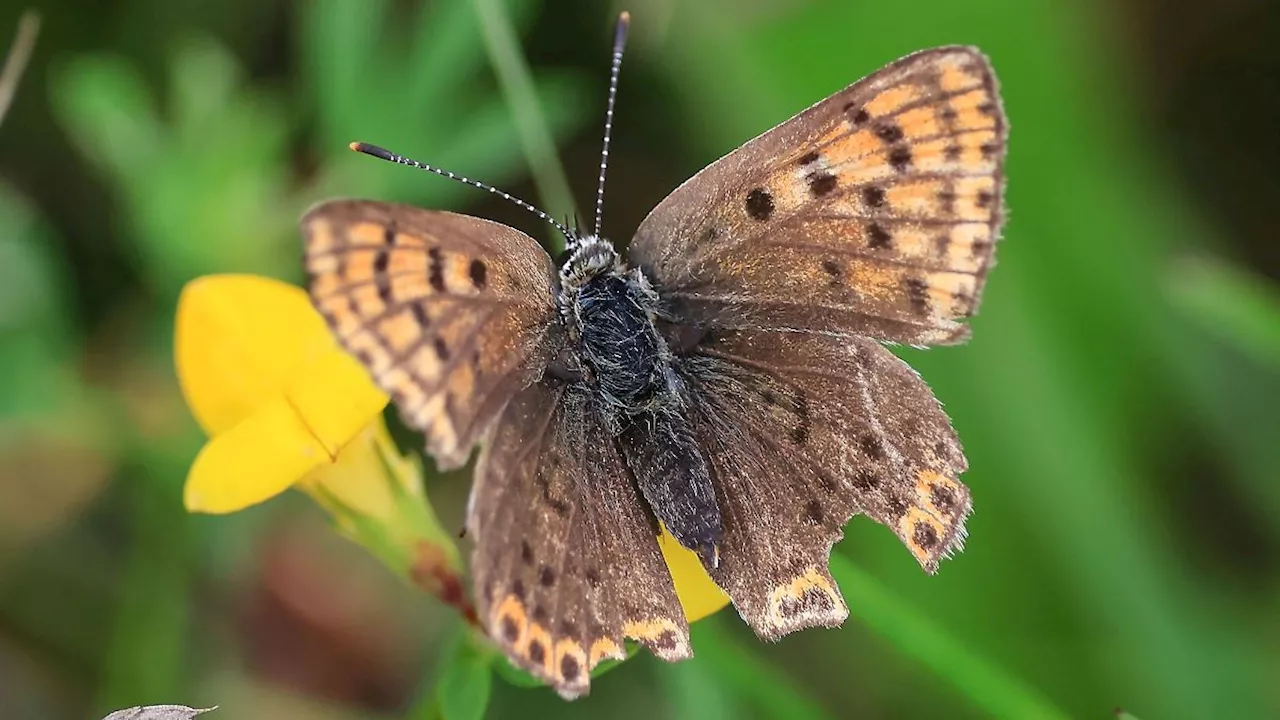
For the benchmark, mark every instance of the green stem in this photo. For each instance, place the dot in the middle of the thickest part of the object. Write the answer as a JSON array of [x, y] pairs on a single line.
[[518, 89], [998, 693]]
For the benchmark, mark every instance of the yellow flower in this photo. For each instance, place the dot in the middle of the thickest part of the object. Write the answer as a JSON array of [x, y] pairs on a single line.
[[285, 406], [282, 404]]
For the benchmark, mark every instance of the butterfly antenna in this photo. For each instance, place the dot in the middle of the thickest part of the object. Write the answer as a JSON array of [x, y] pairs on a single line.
[[619, 42], [384, 154]]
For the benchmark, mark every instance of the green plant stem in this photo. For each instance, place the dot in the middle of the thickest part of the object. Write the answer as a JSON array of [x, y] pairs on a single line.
[[998, 693], [518, 89]]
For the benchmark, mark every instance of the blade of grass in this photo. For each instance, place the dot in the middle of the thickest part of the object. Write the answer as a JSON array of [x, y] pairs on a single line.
[[518, 88], [748, 676], [1233, 303], [997, 692], [15, 63]]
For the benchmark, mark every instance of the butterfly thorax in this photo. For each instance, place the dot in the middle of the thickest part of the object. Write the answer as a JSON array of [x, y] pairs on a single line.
[[609, 312]]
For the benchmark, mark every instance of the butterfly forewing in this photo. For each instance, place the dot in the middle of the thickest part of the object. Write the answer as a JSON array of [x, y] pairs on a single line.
[[451, 314], [803, 431], [567, 561], [872, 213]]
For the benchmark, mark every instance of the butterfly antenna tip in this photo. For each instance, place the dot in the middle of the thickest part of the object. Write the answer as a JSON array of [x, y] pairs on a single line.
[[619, 43], [384, 154]]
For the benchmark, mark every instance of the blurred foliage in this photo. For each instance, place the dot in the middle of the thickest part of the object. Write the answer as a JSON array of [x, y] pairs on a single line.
[[1117, 402]]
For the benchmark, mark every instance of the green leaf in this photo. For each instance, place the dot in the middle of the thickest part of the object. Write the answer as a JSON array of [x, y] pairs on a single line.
[[108, 110], [465, 681]]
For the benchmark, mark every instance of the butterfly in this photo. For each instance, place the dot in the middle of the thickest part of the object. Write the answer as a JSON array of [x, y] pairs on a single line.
[[727, 379]]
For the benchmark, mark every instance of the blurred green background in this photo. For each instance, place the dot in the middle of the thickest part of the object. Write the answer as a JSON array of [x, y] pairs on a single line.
[[1117, 401]]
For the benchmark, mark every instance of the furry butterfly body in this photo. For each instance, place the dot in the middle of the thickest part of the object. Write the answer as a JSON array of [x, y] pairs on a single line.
[[726, 381]]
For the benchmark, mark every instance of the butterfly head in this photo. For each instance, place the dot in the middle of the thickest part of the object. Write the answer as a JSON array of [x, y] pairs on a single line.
[[587, 257]]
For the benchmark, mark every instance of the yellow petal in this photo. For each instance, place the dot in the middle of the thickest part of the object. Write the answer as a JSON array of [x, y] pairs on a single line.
[[698, 593], [335, 397], [239, 340], [255, 460], [357, 478]]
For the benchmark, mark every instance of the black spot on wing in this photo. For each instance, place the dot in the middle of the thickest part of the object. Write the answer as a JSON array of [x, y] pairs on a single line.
[[441, 348], [878, 238], [665, 641], [478, 273], [821, 184], [942, 498], [419, 311], [760, 204], [872, 447], [942, 244], [900, 158], [569, 668], [857, 115], [917, 294], [948, 199], [890, 132], [510, 631], [435, 269], [873, 196], [925, 535]]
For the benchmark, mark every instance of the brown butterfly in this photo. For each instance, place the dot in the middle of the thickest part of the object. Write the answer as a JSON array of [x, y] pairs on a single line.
[[726, 380]]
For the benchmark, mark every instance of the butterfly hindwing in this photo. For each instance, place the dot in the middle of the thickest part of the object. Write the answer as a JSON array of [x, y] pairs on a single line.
[[873, 212], [451, 314], [803, 431], [566, 562]]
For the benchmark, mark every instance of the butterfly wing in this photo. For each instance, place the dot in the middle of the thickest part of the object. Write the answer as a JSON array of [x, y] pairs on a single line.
[[566, 562], [804, 430], [451, 314], [873, 212]]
